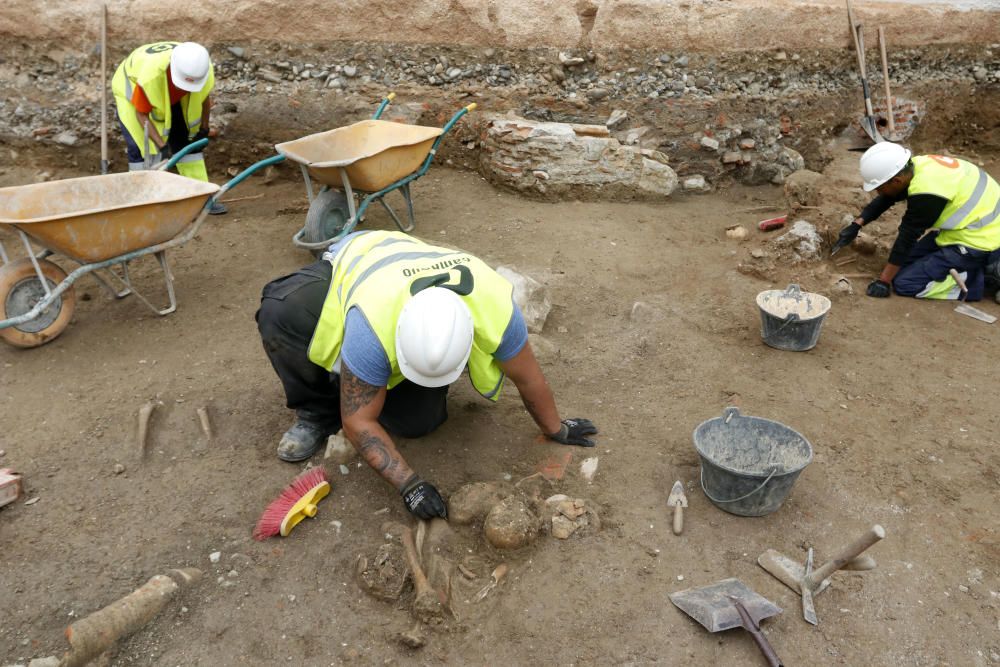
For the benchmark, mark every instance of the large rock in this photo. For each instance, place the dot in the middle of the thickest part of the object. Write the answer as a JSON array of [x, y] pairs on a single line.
[[803, 188], [530, 296], [803, 240], [580, 160]]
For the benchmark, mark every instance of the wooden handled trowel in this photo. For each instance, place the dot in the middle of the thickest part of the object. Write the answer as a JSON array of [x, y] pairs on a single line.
[[963, 307], [808, 582], [678, 501]]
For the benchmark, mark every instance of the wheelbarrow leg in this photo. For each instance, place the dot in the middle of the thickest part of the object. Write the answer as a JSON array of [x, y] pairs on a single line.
[[405, 189], [168, 279], [3, 254], [110, 289]]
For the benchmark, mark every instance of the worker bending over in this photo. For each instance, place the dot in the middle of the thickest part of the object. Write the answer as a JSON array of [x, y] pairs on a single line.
[[955, 201], [162, 95], [370, 337]]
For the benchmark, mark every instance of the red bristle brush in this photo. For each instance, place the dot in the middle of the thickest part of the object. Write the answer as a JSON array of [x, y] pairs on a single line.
[[296, 502]]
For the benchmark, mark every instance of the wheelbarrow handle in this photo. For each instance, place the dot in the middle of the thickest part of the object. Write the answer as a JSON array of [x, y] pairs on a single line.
[[193, 146], [274, 159], [385, 103]]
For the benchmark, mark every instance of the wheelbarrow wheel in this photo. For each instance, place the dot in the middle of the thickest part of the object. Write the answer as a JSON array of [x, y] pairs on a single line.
[[20, 290], [327, 216]]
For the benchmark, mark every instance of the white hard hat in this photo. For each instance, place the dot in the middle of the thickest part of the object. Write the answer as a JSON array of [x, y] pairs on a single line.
[[881, 162], [189, 65], [433, 337]]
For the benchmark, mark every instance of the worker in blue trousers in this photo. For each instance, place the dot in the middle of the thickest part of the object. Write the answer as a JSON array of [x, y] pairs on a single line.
[[952, 221]]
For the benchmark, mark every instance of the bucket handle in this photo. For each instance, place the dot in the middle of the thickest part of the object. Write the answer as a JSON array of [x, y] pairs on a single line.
[[716, 500], [793, 291]]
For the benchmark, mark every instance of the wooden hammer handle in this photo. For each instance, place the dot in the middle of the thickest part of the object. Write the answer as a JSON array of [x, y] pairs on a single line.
[[958, 280], [845, 555]]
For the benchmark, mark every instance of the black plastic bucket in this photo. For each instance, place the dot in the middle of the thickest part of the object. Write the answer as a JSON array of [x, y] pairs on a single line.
[[749, 464], [791, 319]]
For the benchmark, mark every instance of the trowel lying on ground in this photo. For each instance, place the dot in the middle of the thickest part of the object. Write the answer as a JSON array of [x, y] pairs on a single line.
[[808, 582], [729, 604], [678, 501], [966, 309]]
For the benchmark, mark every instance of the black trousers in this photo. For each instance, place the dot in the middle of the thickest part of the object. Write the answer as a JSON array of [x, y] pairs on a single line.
[[289, 310]]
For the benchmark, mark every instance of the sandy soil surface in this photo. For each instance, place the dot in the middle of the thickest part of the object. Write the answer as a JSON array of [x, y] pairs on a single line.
[[898, 400]]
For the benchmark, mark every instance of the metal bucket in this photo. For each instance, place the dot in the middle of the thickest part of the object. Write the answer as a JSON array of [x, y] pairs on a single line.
[[791, 319], [749, 464]]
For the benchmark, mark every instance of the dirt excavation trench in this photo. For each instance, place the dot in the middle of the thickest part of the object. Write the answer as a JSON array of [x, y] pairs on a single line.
[[622, 154]]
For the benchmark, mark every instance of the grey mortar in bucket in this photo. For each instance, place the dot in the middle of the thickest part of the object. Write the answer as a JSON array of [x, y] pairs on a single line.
[[791, 319], [749, 464]]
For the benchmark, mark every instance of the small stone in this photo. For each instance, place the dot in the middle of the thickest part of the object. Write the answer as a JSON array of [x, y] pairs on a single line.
[[702, 81], [737, 233], [617, 118], [680, 577], [588, 468], [694, 183], [339, 449], [236, 51], [50, 661], [453, 73], [119, 468], [562, 527], [732, 157], [709, 143], [596, 94], [31, 501], [567, 59], [963, 588], [215, 556], [350, 71], [344, 469], [642, 313], [682, 61], [232, 574], [66, 138], [781, 55], [747, 144]]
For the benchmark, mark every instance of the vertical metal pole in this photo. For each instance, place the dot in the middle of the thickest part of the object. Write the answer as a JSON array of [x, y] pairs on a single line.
[[104, 89]]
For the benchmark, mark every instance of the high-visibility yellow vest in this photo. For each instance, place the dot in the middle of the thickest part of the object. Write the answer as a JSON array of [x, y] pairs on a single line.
[[377, 272], [149, 66], [972, 216]]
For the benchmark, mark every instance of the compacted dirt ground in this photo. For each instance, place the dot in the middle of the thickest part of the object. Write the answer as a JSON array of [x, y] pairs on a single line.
[[898, 401]]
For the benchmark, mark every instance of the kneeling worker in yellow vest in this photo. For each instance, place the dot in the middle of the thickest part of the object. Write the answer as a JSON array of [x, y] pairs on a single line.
[[952, 221], [162, 95], [370, 337]]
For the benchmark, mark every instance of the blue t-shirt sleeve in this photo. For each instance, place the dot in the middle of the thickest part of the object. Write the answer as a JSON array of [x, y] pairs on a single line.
[[362, 351], [515, 336]]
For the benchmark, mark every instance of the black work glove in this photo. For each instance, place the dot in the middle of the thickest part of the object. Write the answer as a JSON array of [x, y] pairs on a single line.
[[423, 500], [201, 134], [573, 432], [847, 236], [878, 289], [166, 152]]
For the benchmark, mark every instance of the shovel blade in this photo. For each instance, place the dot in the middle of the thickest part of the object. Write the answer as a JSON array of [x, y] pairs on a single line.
[[711, 606], [975, 313], [870, 127]]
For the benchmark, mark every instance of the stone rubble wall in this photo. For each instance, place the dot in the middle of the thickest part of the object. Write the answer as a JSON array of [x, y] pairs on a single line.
[[701, 25]]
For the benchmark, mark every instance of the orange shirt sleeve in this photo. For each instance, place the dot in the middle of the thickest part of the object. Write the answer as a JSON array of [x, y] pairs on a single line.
[[140, 101]]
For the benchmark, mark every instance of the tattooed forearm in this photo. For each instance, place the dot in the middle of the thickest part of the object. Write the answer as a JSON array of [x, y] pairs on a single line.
[[383, 457], [354, 393]]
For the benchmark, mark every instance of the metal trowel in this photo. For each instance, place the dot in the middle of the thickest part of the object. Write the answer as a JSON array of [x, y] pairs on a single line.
[[729, 604], [678, 501], [964, 308]]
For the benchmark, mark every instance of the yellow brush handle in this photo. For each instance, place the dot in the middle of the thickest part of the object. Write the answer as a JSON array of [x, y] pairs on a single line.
[[471, 107], [391, 96]]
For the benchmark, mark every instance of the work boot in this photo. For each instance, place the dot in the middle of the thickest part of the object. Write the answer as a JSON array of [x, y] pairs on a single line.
[[301, 441], [218, 209]]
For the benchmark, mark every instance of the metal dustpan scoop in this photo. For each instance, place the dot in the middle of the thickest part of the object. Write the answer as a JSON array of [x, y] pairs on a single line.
[[729, 604]]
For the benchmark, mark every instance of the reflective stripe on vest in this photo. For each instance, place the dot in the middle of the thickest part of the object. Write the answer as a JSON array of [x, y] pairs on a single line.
[[970, 217], [375, 273]]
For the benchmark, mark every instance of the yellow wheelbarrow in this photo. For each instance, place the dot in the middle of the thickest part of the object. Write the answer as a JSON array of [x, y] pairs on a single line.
[[98, 222], [366, 160]]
